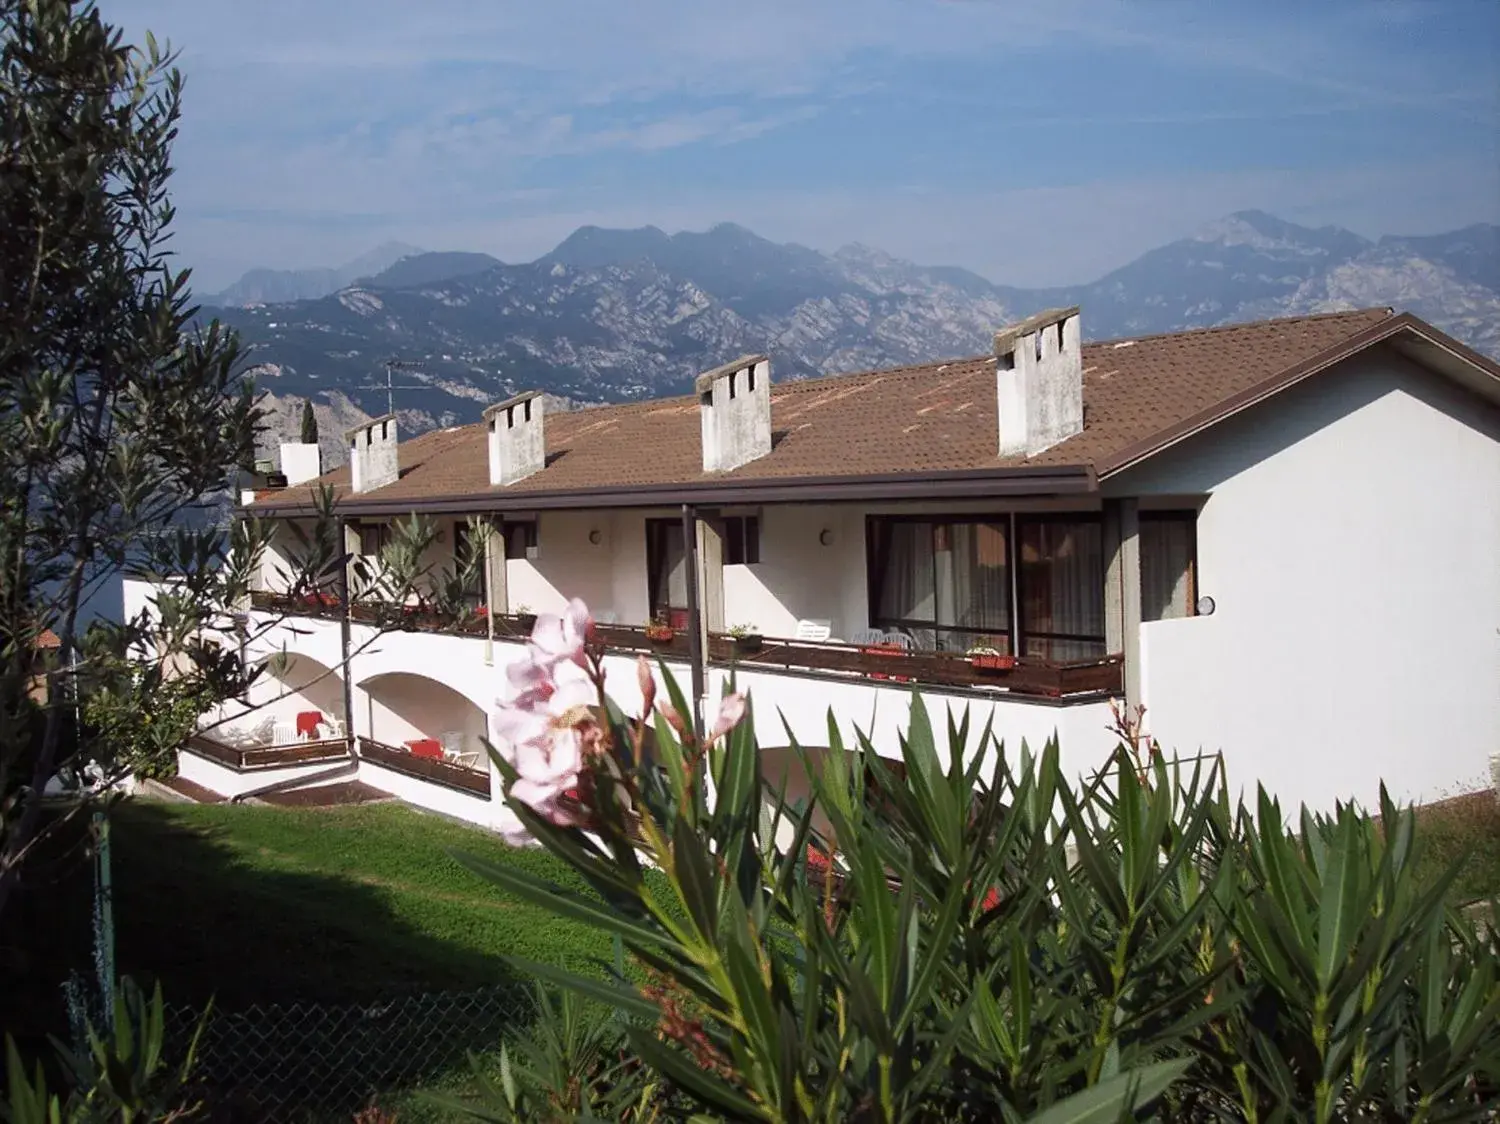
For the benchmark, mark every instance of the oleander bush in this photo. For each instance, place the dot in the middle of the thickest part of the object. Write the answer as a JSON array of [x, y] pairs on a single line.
[[990, 941]]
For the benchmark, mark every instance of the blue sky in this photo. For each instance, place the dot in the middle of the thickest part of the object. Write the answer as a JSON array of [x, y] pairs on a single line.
[[1034, 142]]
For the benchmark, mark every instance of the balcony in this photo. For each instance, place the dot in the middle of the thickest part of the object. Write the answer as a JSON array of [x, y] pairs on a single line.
[[474, 782], [1029, 677], [1042, 678], [250, 758]]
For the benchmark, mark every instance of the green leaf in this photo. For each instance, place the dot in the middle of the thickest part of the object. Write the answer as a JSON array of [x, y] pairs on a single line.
[[694, 881], [628, 1001], [692, 1078], [1105, 1102], [1340, 911]]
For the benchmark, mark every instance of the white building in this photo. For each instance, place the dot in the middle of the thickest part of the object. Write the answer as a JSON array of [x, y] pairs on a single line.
[[1282, 539]]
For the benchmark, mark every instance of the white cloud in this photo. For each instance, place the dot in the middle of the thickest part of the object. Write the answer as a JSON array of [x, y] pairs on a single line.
[[316, 129]]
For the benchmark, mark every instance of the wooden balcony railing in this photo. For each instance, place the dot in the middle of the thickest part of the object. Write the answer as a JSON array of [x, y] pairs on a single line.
[[1029, 677], [250, 758], [473, 782]]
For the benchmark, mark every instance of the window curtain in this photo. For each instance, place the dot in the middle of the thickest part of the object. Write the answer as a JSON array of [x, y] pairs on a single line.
[[908, 589], [981, 587], [1168, 546], [1062, 589]]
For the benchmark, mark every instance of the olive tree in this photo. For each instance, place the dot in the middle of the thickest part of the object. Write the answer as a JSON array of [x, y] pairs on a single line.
[[125, 425]]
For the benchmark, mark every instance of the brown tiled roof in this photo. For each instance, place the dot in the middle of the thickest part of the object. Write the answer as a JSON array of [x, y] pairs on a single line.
[[48, 639], [915, 420]]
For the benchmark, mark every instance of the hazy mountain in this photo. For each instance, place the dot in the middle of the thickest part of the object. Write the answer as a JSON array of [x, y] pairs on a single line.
[[427, 269], [612, 315], [265, 286], [1472, 253]]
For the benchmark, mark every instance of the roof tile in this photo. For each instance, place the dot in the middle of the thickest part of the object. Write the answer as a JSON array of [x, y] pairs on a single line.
[[926, 418]]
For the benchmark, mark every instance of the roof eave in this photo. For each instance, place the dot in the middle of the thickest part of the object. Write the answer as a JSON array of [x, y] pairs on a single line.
[[1024, 480]]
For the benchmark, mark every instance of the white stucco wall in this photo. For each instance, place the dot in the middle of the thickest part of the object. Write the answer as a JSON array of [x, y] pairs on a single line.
[[1351, 542], [231, 782], [567, 565], [883, 711], [797, 577], [434, 797]]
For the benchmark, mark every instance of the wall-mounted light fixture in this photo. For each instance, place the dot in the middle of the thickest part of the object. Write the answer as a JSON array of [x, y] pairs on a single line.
[[1205, 606], [825, 536], [595, 536]]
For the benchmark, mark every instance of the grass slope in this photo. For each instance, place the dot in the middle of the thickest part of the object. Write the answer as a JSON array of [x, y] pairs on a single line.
[[258, 904]]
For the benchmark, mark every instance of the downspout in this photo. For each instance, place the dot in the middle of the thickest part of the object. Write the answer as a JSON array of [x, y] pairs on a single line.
[[695, 614]]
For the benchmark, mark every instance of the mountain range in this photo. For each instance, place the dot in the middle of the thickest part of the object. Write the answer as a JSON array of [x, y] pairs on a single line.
[[614, 315]]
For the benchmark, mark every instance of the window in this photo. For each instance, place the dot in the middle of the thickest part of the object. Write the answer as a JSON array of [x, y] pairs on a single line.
[[666, 571], [1169, 564], [374, 538], [1060, 579], [741, 540], [946, 583], [520, 538]]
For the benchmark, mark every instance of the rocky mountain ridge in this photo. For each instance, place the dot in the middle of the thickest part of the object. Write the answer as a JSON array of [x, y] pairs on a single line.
[[615, 315]]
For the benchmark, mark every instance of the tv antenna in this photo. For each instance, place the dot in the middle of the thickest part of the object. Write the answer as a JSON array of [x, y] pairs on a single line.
[[392, 365]]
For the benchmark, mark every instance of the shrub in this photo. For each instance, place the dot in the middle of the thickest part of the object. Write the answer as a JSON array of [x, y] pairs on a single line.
[[993, 942]]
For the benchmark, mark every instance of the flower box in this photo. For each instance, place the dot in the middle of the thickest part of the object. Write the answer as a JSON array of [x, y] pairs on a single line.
[[992, 661], [749, 643], [660, 633], [889, 651]]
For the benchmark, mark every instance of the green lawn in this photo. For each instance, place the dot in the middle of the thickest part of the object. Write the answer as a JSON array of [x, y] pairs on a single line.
[[257, 904], [1464, 830], [254, 906]]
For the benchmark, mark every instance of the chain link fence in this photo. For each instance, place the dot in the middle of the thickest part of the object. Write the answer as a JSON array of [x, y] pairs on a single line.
[[314, 1061]]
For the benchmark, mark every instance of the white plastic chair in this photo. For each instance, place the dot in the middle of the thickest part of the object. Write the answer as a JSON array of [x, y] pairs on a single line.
[[814, 631], [867, 637], [283, 733]]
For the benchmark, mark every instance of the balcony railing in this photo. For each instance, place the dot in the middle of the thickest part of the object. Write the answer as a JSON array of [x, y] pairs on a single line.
[[1044, 678], [474, 782], [1028, 677], [245, 759]]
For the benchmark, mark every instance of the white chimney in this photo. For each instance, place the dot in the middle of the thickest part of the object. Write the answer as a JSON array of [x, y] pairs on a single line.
[[300, 462], [735, 408], [518, 440], [373, 462], [1039, 382]]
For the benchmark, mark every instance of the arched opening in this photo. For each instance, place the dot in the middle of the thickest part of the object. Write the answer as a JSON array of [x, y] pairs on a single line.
[[295, 698], [402, 711], [787, 776]]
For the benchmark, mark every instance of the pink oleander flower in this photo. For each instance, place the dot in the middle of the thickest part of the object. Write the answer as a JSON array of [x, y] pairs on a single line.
[[560, 639], [544, 727], [647, 683], [731, 711]]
